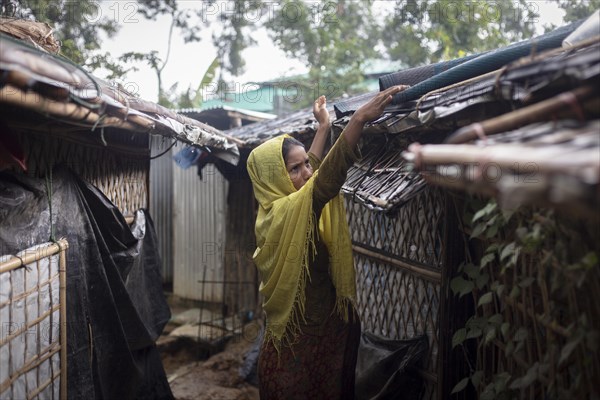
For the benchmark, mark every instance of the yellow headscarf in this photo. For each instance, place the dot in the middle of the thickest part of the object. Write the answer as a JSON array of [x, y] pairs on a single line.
[[285, 242]]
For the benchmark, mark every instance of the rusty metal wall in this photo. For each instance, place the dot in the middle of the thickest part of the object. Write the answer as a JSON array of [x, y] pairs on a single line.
[[161, 201], [199, 220]]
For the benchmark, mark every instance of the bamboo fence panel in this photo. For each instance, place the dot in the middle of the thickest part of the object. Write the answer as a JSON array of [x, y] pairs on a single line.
[[33, 343]]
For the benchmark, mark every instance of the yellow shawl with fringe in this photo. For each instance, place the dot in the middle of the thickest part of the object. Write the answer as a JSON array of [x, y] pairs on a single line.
[[286, 243]]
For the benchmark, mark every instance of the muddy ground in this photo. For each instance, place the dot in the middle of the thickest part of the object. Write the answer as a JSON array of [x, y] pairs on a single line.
[[206, 372]]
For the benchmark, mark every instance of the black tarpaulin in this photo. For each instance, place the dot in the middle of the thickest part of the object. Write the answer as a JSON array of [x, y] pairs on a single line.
[[115, 305], [387, 369]]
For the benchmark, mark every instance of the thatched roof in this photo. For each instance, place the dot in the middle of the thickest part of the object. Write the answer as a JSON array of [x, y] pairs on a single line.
[[39, 84], [545, 151], [542, 110]]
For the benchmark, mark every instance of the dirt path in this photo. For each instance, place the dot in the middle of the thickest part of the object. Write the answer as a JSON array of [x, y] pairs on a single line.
[[216, 378]]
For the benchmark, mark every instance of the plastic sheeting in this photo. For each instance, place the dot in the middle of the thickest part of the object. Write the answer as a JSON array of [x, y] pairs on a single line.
[[115, 305], [387, 369]]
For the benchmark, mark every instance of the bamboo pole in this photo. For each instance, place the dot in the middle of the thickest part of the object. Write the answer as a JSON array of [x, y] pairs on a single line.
[[533, 113], [419, 271], [29, 257], [75, 113], [63, 321], [519, 158]]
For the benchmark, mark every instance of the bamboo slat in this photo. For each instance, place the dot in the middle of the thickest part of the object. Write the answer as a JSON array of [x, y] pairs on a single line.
[[71, 112], [526, 115], [63, 324], [424, 273]]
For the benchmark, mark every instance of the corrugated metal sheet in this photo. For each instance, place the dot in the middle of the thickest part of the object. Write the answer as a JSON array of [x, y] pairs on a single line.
[[199, 212], [161, 202]]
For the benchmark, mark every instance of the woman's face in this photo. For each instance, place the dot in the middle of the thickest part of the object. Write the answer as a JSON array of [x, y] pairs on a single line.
[[298, 166]]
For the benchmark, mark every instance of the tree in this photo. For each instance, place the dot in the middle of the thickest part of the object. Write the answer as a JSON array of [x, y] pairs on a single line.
[[77, 26], [232, 35], [427, 31], [332, 38], [578, 9]]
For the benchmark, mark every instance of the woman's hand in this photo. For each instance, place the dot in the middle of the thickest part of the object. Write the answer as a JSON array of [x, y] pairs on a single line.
[[322, 116], [368, 112], [374, 108], [320, 111]]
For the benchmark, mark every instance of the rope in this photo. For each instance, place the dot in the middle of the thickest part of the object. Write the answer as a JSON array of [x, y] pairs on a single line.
[[49, 193], [164, 152]]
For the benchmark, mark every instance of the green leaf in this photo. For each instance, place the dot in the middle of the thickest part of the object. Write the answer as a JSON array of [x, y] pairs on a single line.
[[500, 290], [485, 260], [478, 230], [494, 225], [471, 270], [460, 385], [490, 335], [492, 248], [500, 381], [461, 286], [521, 334], [491, 206], [521, 233], [568, 349], [209, 76], [508, 250], [528, 379], [485, 299], [459, 337], [504, 329], [482, 280], [514, 292], [495, 319], [476, 322], [527, 282], [515, 256], [488, 393], [474, 333], [476, 378], [590, 260], [457, 284]]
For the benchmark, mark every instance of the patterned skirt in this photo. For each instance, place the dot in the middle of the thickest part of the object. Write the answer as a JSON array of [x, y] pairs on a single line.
[[315, 367]]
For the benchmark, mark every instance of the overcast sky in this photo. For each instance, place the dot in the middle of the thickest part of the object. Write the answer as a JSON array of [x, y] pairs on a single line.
[[188, 62]]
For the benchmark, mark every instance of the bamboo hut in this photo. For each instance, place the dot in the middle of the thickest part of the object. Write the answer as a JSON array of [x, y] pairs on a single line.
[[483, 286], [519, 125], [81, 301]]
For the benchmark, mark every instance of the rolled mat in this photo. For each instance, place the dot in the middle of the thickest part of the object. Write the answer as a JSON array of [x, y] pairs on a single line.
[[485, 63], [415, 75]]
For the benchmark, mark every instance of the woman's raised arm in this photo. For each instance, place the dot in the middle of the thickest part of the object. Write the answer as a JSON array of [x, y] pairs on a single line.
[[322, 116], [368, 112]]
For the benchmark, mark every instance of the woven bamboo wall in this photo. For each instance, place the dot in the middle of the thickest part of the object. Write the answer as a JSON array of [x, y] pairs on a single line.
[[398, 259], [32, 311], [121, 176]]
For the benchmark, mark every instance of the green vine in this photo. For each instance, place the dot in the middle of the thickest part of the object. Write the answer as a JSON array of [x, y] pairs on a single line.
[[528, 274]]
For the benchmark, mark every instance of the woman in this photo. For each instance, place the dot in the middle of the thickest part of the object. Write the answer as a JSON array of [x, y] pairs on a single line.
[[304, 257]]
